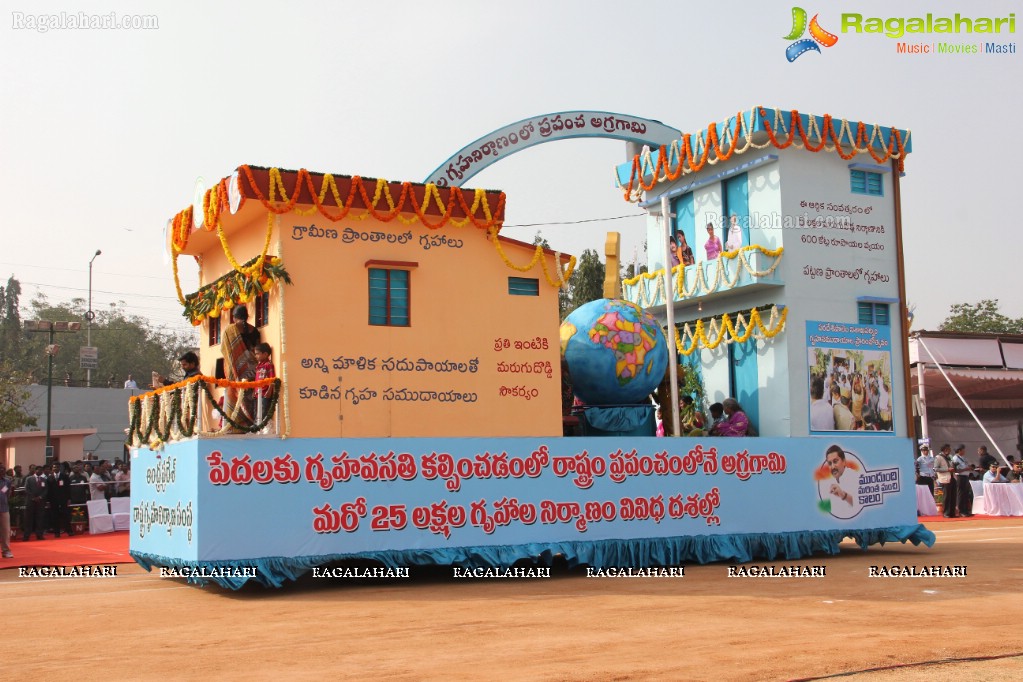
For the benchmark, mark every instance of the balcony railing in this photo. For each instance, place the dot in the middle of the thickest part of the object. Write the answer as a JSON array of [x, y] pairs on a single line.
[[190, 408], [731, 270]]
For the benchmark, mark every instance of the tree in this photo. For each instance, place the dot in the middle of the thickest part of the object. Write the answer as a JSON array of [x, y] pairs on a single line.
[[10, 322], [980, 317], [12, 399], [587, 281], [127, 344]]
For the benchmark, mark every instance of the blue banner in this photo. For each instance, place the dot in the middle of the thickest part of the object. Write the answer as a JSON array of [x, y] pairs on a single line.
[[244, 498]]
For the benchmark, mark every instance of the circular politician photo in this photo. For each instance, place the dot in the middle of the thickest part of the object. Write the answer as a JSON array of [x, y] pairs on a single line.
[[837, 481]]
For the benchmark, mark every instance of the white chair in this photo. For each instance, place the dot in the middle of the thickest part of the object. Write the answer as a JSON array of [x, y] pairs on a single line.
[[100, 520], [120, 509]]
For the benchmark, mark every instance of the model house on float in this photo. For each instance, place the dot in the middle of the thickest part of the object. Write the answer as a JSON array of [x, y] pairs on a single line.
[[815, 289], [407, 315]]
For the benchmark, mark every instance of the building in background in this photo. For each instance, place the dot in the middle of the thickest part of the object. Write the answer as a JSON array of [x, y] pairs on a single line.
[[953, 374]]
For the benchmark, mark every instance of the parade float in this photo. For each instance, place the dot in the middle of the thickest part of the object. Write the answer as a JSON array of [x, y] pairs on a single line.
[[416, 414]]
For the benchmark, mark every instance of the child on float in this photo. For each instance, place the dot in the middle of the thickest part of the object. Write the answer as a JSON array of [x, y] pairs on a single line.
[[264, 370]]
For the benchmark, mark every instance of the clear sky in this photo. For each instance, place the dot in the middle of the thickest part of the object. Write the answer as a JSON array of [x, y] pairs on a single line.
[[103, 133]]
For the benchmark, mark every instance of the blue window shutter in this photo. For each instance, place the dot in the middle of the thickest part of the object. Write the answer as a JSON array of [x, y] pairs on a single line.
[[523, 286], [389, 297], [858, 181], [874, 186], [866, 313], [377, 296], [399, 298]]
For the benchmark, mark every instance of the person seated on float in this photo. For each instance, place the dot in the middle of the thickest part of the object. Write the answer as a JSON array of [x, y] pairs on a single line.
[[692, 420], [735, 423], [994, 475], [717, 415]]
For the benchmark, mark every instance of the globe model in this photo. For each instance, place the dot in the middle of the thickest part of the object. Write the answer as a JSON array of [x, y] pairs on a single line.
[[616, 354]]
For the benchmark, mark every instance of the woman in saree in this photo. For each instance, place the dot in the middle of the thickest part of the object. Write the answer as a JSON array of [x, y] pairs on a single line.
[[236, 344]]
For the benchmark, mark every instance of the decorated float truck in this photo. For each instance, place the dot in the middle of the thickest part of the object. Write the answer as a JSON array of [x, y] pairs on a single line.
[[416, 413]]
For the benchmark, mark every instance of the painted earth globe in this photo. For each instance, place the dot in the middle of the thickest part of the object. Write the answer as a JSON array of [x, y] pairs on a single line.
[[616, 353]]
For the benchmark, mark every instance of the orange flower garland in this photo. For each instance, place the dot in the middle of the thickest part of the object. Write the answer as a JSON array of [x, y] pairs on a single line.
[[693, 157], [217, 199], [222, 383], [405, 203]]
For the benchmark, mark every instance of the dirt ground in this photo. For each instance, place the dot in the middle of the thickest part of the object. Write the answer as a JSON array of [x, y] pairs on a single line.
[[705, 626]]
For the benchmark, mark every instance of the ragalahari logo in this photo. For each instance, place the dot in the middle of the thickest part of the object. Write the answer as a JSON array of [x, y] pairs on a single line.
[[817, 36]]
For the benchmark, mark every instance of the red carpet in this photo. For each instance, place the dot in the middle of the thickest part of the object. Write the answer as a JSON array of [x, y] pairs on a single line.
[[80, 550], [941, 519]]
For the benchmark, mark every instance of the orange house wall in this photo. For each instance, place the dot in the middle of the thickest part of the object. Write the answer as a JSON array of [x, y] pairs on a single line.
[[459, 310]]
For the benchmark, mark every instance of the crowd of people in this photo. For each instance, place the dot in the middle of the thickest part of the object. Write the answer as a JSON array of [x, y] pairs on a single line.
[[43, 497], [850, 401], [951, 473]]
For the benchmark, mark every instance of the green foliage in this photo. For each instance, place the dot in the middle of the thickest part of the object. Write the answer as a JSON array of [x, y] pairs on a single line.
[[10, 322], [12, 399], [822, 362], [690, 383], [980, 317], [126, 343], [587, 282]]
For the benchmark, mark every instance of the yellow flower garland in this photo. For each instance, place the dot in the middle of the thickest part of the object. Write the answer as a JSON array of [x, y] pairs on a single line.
[[700, 284], [215, 201], [537, 257], [727, 332]]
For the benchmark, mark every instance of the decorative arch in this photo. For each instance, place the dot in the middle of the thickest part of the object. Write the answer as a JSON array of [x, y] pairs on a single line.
[[529, 132]]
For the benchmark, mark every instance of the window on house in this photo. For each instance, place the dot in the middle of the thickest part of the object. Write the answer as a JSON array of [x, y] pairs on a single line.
[[388, 297], [874, 313], [865, 182], [214, 330], [262, 302], [523, 286]]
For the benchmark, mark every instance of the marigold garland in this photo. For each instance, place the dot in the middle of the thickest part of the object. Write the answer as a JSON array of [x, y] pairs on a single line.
[[239, 286], [700, 285], [171, 412], [215, 201], [538, 256], [692, 157], [726, 331], [381, 190], [254, 272], [230, 420]]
